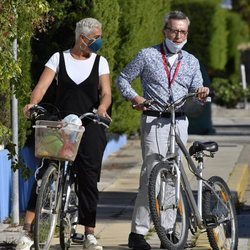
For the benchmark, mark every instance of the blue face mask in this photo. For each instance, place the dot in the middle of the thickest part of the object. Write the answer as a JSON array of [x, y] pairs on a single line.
[[96, 45]]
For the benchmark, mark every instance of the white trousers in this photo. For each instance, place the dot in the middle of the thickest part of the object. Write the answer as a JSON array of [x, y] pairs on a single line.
[[154, 144]]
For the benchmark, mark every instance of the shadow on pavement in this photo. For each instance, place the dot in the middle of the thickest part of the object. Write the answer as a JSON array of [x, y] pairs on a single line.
[[115, 205], [243, 215]]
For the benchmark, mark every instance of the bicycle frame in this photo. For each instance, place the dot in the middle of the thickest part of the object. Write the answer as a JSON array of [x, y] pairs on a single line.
[[174, 138], [213, 210], [68, 176], [196, 206]]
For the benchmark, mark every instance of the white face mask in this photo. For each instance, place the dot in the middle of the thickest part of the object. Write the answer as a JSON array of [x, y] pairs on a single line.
[[173, 47]]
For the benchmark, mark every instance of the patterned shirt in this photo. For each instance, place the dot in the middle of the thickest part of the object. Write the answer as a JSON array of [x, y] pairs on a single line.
[[148, 64]]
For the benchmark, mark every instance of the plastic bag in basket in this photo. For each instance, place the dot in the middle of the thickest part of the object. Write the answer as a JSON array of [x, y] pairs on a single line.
[[70, 136]]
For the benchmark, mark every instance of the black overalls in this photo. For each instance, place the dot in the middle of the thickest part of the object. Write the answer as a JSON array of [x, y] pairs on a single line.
[[77, 99]]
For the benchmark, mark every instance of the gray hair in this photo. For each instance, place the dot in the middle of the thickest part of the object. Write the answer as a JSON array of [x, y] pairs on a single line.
[[86, 26], [177, 15]]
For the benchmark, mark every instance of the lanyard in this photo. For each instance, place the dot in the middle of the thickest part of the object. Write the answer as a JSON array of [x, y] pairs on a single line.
[[165, 63]]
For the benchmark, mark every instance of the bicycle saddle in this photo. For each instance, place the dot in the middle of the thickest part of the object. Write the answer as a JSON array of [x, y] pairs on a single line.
[[198, 146]]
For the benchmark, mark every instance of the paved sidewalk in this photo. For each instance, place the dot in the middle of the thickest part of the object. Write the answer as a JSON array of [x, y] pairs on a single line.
[[226, 164], [119, 183]]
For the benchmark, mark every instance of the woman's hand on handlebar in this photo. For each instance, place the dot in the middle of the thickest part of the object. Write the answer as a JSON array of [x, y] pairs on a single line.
[[26, 109], [103, 112]]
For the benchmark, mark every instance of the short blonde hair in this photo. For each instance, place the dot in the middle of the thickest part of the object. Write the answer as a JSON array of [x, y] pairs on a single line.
[[86, 26]]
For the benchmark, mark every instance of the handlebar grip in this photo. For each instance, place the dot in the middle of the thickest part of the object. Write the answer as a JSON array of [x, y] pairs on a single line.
[[36, 111], [146, 104], [96, 118], [104, 120]]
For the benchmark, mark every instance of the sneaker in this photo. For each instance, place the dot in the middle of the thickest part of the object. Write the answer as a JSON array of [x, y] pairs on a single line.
[[90, 243], [24, 242], [137, 242]]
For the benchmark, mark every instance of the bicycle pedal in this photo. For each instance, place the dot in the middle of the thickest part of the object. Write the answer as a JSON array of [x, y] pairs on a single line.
[[77, 238], [211, 221]]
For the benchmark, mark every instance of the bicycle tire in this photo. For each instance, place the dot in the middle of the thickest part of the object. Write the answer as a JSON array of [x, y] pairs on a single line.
[[225, 234], [47, 207], [164, 208], [68, 216]]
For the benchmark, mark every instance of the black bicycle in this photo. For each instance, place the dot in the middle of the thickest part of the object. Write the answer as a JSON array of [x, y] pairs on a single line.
[[57, 142]]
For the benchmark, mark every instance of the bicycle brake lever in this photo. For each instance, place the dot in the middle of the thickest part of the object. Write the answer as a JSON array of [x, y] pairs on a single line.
[[146, 104]]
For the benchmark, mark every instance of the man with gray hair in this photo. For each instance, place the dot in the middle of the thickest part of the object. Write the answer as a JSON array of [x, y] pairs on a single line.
[[167, 72]]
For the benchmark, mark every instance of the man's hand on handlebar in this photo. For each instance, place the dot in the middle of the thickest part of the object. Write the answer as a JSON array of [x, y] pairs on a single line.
[[138, 103], [202, 92]]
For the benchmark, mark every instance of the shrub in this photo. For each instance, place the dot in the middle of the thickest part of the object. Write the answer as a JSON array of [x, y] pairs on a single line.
[[208, 41], [227, 92]]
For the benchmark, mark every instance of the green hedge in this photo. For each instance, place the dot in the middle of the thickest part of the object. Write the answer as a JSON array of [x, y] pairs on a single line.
[[207, 38], [238, 33], [44, 27], [137, 29], [214, 40], [228, 93], [17, 20]]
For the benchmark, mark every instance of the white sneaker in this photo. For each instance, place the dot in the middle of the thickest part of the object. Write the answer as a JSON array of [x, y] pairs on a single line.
[[90, 243], [24, 242]]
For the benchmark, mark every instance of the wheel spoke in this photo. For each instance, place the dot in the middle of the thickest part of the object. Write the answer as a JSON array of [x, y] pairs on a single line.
[[220, 205], [169, 217], [48, 202]]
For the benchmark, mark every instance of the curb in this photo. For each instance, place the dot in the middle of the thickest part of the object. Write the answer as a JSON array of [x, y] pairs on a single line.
[[9, 235], [238, 181]]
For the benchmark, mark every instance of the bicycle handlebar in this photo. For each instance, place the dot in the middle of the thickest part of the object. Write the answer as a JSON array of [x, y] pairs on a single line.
[[37, 112], [176, 104], [96, 118]]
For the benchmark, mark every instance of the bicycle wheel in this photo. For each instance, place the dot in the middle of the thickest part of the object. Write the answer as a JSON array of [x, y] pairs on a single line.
[[47, 207], [69, 216], [220, 206], [169, 216]]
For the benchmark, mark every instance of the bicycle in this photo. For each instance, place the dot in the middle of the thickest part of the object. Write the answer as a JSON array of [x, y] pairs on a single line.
[[171, 199], [57, 202]]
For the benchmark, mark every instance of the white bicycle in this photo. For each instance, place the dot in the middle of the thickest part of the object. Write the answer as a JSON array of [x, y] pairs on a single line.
[[173, 206]]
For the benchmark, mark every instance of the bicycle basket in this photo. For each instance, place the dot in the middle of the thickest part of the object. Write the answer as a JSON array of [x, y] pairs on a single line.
[[57, 140]]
